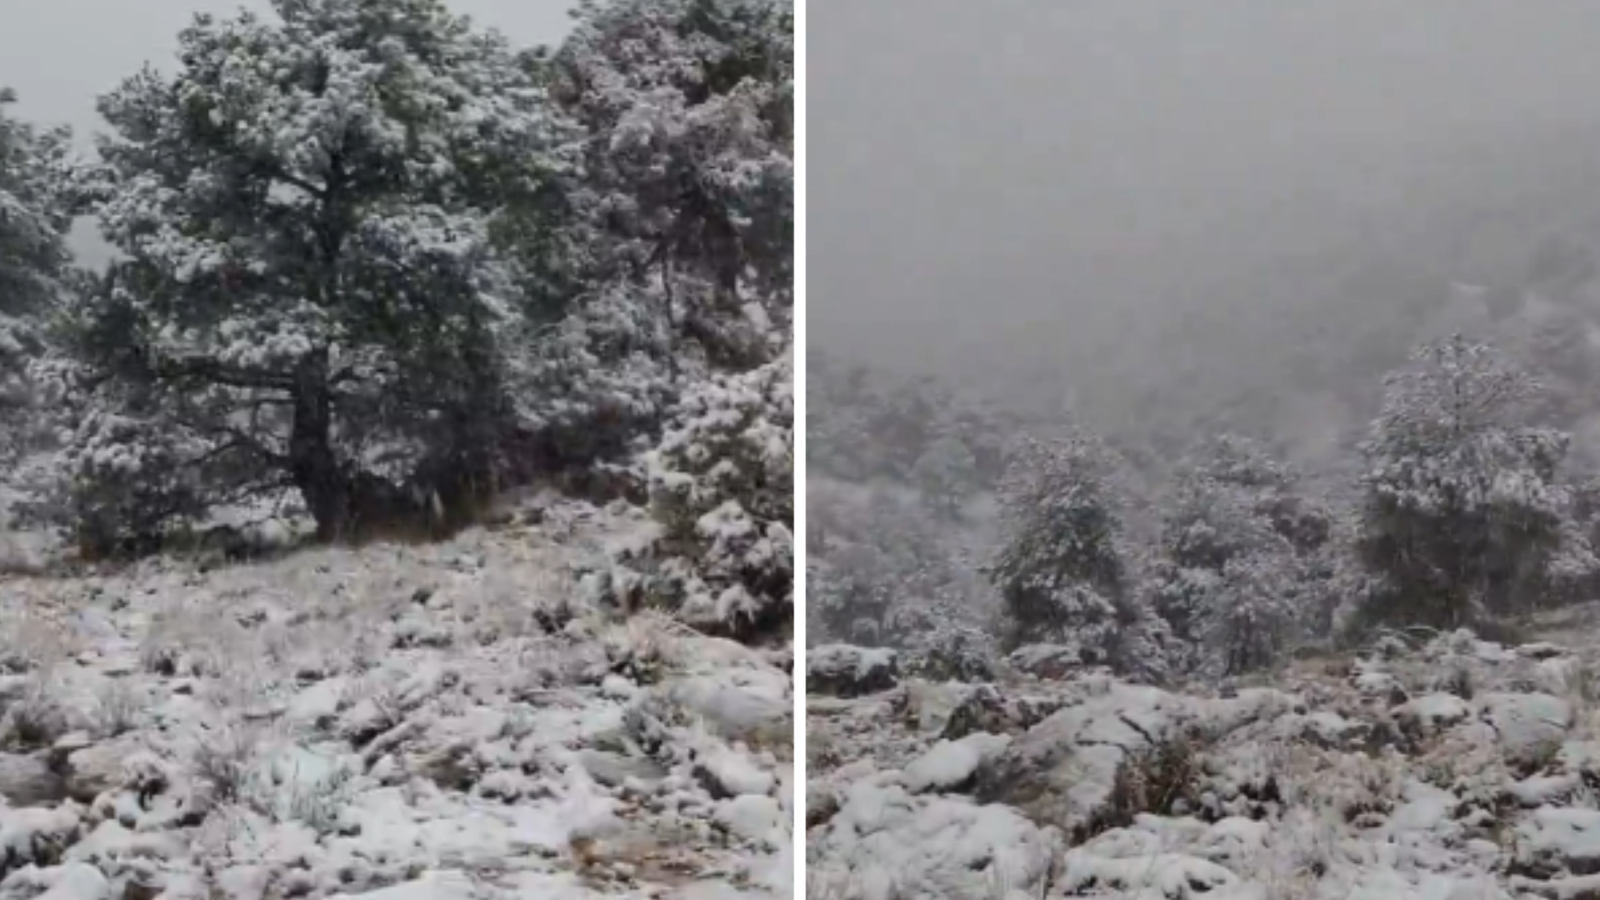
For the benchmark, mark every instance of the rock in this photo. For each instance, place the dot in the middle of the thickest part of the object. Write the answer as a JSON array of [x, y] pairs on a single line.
[[99, 767], [950, 766], [244, 882], [135, 889], [753, 818], [1540, 650], [431, 886], [1048, 661], [29, 781], [983, 708], [1145, 876], [735, 705], [36, 836], [74, 881], [1331, 731], [822, 803], [318, 704], [1554, 840], [884, 836], [727, 774], [613, 769], [843, 670], [1431, 713], [1064, 770], [1528, 725]]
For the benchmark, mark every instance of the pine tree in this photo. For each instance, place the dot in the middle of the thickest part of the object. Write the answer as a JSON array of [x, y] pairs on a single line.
[[1463, 511], [35, 212], [1230, 577], [312, 292], [689, 167], [1061, 571]]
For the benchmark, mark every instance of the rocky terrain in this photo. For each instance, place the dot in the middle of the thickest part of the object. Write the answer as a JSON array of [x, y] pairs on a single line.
[[452, 722], [1437, 767]]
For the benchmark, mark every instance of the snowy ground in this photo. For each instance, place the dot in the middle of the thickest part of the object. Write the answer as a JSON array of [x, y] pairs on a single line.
[[1458, 770], [449, 721]]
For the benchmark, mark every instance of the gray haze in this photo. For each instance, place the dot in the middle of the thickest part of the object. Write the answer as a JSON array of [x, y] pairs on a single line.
[[61, 54], [1038, 185]]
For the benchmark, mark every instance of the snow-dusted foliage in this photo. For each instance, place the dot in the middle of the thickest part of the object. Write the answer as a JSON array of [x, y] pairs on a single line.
[[1063, 569], [1237, 573], [35, 212], [722, 487], [690, 167], [311, 293], [893, 575], [669, 258], [379, 260], [1463, 510], [947, 475]]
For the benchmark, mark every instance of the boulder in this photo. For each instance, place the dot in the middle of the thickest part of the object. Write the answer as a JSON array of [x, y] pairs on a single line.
[[29, 781], [1047, 661], [844, 670]]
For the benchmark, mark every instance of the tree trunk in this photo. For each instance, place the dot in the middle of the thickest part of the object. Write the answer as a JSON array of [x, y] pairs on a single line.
[[312, 463]]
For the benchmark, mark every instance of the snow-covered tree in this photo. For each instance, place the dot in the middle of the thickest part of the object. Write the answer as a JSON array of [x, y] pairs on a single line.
[[1062, 571], [1230, 578], [312, 293], [946, 474], [879, 554], [35, 213], [722, 486], [1463, 511], [689, 165]]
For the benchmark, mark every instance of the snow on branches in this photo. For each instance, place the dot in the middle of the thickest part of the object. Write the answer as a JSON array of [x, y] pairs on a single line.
[[1464, 510], [722, 487], [690, 164], [1064, 570], [311, 290], [36, 208]]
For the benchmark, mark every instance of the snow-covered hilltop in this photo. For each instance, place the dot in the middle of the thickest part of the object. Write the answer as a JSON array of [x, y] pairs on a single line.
[[1451, 770], [447, 721]]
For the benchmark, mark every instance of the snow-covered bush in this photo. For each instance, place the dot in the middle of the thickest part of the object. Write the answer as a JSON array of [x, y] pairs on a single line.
[[1061, 564], [722, 487]]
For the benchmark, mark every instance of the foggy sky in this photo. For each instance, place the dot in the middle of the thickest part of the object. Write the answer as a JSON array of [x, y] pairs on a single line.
[[999, 183], [60, 55]]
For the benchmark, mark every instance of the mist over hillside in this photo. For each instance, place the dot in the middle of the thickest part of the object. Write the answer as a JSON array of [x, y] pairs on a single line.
[[1295, 296], [1318, 283], [1127, 199]]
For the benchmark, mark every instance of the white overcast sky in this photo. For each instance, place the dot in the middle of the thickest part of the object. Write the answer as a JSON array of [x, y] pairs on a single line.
[[60, 55]]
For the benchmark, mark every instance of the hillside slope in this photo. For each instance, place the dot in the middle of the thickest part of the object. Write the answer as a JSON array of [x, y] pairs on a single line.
[[450, 721], [1458, 769]]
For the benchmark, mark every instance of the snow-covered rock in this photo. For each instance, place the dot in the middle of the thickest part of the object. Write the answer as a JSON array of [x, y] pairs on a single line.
[[29, 781], [1457, 769], [848, 671], [1050, 661], [949, 765]]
